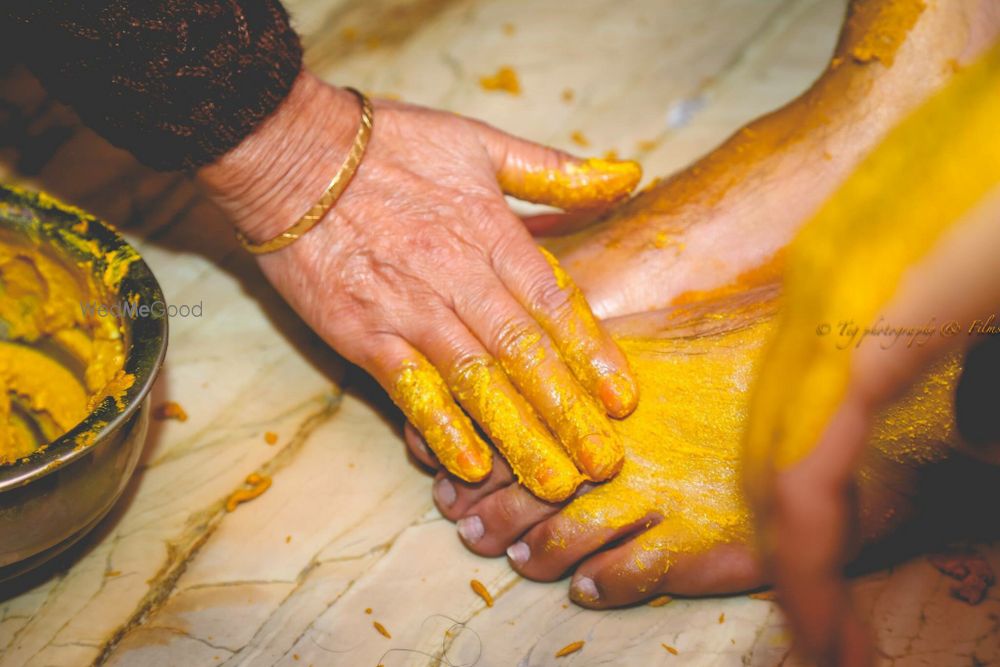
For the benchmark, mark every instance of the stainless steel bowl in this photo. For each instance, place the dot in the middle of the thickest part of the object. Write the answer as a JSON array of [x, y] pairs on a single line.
[[52, 498]]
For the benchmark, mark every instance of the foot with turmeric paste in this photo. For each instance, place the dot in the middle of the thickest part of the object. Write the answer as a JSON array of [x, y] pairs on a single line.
[[720, 224], [676, 514]]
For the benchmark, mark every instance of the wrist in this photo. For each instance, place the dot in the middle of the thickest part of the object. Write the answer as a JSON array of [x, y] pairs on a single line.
[[277, 172]]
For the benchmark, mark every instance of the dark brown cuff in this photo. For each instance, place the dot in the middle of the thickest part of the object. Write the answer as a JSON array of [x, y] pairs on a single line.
[[175, 82]]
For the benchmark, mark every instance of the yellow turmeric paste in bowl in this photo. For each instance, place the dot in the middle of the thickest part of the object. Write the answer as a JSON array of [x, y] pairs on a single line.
[[79, 349]]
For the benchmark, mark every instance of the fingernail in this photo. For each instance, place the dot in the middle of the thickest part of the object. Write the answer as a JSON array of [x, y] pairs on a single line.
[[422, 446], [471, 529], [619, 395], [584, 588], [601, 456], [444, 492], [519, 552]]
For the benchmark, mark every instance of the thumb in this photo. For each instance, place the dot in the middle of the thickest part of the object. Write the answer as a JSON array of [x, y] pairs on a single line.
[[544, 175]]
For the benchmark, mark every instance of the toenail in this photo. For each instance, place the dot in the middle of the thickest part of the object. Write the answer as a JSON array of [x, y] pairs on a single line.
[[584, 588], [444, 492], [519, 552], [471, 529]]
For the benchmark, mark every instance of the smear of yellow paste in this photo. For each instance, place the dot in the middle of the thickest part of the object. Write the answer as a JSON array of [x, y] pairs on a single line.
[[574, 185], [505, 80], [683, 444], [884, 27], [422, 395]]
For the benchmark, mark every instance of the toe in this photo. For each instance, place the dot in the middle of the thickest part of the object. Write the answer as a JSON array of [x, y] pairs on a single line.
[[641, 568], [454, 497], [418, 448], [548, 550], [495, 522]]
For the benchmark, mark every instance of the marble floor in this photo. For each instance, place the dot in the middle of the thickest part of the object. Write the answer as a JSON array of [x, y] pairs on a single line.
[[171, 578]]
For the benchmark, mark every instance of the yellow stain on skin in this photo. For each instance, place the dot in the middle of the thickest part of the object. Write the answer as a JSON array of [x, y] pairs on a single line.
[[574, 185], [884, 27], [683, 443], [765, 274], [848, 261], [538, 461], [614, 389], [576, 420], [422, 395]]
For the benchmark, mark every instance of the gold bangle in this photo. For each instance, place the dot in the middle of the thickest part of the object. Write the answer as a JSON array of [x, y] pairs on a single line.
[[332, 193]]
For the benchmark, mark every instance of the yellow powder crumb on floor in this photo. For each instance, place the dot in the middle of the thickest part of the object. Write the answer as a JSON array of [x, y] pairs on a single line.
[[258, 484], [271, 437], [670, 649], [569, 648], [170, 410], [482, 592], [764, 595], [567, 95], [349, 34], [722, 618], [648, 145], [112, 573], [660, 601], [288, 539], [611, 155], [505, 80], [368, 610], [579, 139], [381, 629], [509, 29]]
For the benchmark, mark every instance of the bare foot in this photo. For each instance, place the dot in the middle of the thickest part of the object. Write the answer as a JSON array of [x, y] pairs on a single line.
[[675, 516]]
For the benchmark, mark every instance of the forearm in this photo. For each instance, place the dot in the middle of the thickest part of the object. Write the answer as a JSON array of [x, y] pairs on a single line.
[[177, 83]]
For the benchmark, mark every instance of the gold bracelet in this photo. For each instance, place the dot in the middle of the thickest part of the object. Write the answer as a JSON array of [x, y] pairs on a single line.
[[333, 191]]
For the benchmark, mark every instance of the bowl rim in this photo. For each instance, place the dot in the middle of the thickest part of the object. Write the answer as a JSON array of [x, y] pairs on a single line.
[[47, 219]]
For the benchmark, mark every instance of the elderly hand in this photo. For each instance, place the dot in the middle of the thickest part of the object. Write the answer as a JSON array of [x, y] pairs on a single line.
[[909, 242], [423, 276]]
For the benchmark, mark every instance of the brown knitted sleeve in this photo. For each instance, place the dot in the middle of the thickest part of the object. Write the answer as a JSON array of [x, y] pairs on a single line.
[[176, 82]]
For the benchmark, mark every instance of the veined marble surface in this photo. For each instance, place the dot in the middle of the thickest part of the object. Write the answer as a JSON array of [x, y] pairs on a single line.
[[171, 578]]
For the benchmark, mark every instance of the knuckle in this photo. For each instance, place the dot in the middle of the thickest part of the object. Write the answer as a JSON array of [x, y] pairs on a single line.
[[508, 508], [515, 336], [462, 364], [545, 293]]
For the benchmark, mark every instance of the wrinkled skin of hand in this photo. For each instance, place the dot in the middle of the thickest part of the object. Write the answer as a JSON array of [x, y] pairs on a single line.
[[909, 241], [422, 275]]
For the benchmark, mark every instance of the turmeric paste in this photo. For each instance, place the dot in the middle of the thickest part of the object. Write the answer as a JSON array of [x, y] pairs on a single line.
[[60, 357]]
